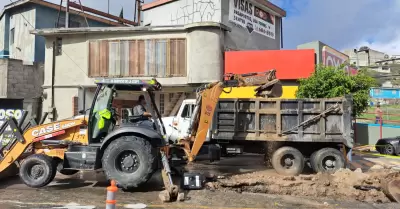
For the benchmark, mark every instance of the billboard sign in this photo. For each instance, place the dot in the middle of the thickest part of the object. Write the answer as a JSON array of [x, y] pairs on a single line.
[[247, 15], [8, 135], [331, 57]]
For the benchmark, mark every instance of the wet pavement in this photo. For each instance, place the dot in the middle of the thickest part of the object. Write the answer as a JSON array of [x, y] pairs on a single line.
[[88, 190]]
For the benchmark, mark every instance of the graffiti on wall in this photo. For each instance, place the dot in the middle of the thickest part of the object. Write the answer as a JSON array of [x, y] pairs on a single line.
[[331, 57], [191, 11]]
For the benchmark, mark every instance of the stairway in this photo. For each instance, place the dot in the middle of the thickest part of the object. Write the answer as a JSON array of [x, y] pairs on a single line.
[[174, 103]]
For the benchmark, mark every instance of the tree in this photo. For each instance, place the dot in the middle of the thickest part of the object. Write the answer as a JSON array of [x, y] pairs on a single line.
[[328, 82]]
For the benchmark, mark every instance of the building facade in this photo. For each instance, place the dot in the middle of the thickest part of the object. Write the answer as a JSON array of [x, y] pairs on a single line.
[[20, 17], [181, 55], [255, 24], [175, 55], [365, 57], [328, 56]]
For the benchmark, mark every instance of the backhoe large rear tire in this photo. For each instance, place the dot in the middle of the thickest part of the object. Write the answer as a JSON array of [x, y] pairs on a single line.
[[37, 170], [130, 161]]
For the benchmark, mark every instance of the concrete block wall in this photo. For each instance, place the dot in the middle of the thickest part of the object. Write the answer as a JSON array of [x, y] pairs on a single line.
[[24, 81]]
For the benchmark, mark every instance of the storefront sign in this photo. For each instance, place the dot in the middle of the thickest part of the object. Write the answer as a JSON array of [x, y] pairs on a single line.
[[245, 14], [8, 134]]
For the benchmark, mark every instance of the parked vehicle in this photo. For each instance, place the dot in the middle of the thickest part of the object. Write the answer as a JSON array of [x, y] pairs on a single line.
[[388, 146]]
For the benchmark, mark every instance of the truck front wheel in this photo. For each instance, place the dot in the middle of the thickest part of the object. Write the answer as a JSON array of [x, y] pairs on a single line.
[[130, 161], [288, 161]]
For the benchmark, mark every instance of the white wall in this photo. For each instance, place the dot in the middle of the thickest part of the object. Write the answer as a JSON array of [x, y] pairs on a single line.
[[72, 66], [62, 101], [184, 12], [24, 42]]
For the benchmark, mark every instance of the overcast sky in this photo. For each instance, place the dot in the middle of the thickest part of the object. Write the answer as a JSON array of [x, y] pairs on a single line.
[[339, 23]]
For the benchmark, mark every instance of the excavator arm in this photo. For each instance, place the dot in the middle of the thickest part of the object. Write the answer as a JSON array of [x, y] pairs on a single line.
[[267, 86]]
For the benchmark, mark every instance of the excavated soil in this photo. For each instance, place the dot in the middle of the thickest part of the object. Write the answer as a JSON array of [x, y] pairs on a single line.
[[342, 185]]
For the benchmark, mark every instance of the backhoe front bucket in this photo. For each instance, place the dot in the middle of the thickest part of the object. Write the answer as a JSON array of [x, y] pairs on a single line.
[[391, 187], [272, 89]]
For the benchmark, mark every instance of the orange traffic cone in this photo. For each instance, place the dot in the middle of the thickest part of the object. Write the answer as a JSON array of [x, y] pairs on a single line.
[[110, 201]]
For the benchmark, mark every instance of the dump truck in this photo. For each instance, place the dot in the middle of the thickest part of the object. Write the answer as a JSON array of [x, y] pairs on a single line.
[[288, 131]]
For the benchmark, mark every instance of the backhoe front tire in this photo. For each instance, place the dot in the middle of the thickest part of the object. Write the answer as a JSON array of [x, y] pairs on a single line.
[[130, 161], [37, 170]]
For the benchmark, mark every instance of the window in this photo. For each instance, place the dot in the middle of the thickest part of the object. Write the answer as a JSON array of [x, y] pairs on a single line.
[[187, 111], [72, 23], [12, 36], [133, 58], [58, 46]]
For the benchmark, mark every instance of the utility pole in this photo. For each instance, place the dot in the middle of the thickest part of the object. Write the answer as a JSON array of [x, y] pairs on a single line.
[[108, 6], [67, 15]]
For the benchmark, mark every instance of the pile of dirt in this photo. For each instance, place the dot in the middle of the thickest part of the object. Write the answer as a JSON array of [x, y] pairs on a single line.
[[343, 184]]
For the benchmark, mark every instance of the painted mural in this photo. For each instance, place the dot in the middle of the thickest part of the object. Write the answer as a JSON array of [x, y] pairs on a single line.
[[331, 57]]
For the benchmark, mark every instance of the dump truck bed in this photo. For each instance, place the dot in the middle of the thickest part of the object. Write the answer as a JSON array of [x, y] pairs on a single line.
[[299, 120]]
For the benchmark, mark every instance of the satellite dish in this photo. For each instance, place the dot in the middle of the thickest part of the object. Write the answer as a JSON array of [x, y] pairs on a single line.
[[386, 56]]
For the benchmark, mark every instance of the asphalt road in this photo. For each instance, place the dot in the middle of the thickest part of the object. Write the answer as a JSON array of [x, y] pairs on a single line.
[[88, 190]]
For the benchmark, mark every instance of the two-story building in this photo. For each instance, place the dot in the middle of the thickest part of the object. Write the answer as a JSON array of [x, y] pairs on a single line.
[[181, 48], [22, 54]]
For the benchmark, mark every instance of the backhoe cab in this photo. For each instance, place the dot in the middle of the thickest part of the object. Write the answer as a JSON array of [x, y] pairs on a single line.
[[128, 153]]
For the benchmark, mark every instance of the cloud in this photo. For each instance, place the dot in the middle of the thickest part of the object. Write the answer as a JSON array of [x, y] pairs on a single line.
[[342, 23]]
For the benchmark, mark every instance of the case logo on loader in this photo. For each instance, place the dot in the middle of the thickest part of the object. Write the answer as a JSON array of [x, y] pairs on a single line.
[[50, 128]]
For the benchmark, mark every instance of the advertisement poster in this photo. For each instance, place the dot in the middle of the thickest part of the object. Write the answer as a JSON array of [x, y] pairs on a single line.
[[331, 57], [8, 135], [245, 14]]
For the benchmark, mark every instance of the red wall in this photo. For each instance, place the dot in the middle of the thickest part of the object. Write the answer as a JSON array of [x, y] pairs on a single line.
[[289, 64]]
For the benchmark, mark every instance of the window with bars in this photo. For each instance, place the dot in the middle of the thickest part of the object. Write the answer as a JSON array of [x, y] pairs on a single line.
[[136, 58]]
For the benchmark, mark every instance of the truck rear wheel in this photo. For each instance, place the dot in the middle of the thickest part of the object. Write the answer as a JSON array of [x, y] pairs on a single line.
[[288, 161], [130, 161], [327, 160], [37, 170]]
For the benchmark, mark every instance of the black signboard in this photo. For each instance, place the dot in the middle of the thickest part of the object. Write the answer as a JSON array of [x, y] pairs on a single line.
[[8, 135]]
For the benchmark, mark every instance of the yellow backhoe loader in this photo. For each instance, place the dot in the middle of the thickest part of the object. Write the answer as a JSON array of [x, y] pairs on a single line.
[[128, 154]]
